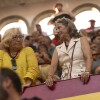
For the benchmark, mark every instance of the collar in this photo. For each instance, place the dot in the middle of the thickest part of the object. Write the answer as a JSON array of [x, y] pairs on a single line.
[[62, 47]]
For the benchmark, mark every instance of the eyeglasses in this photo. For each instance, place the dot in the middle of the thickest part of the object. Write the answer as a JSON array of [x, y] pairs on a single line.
[[14, 65], [18, 37]]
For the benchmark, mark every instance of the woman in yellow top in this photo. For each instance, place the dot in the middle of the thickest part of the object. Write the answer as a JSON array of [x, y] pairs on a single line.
[[21, 60]]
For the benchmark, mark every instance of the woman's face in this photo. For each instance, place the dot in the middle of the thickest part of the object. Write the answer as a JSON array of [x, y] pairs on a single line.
[[42, 49], [94, 48], [17, 41], [97, 40], [62, 31]]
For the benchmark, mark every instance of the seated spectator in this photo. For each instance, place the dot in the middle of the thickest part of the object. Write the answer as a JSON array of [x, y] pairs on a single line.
[[11, 84], [21, 60], [96, 39], [95, 48], [44, 60], [43, 55], [28, 42], [47, 41]]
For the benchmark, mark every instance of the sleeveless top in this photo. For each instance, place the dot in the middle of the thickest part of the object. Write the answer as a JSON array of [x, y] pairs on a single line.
[[65, 59]]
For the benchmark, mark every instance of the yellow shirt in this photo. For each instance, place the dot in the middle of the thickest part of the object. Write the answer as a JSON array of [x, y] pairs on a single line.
[[27, 65]]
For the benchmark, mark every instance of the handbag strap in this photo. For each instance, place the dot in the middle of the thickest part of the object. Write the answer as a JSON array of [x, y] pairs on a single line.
[[72, 59]]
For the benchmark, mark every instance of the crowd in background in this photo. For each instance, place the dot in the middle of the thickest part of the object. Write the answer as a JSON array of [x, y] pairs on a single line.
[[33, 56]]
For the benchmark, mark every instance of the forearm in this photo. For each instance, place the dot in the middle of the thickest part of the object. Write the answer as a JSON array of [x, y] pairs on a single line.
[[87, 53], [52, 70], [88, 64], [32, 70], [40, 61], [31, 78], [54, 63]]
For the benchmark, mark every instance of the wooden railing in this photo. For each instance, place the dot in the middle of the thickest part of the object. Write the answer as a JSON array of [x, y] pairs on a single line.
[[64, 89]]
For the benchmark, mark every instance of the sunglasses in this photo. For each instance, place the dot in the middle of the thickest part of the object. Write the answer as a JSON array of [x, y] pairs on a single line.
[[14, 65]]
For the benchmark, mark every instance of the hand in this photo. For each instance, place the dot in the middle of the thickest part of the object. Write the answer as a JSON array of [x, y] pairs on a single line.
[[25, 86], [85, 76], [40, 60], [43, 54], [49, 81], [46, 57]]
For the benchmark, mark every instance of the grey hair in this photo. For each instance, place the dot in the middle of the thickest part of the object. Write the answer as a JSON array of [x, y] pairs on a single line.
[[72, 28]]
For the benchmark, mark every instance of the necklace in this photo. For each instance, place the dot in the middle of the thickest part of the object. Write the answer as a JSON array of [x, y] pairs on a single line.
[[13, 55], [13, 60]]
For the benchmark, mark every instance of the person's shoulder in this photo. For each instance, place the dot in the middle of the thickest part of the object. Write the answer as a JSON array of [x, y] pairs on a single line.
[[2, 51], [59, 46], [83, 38], [27, 49]]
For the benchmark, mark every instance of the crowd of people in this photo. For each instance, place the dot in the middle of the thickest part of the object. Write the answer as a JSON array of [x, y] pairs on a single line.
[[34, 59]]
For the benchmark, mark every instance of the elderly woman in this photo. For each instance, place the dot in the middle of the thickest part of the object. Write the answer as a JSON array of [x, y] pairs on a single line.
[[19, 59], [73, 55]]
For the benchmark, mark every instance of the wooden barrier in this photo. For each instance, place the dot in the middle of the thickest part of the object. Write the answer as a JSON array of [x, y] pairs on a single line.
[[64, 89]]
